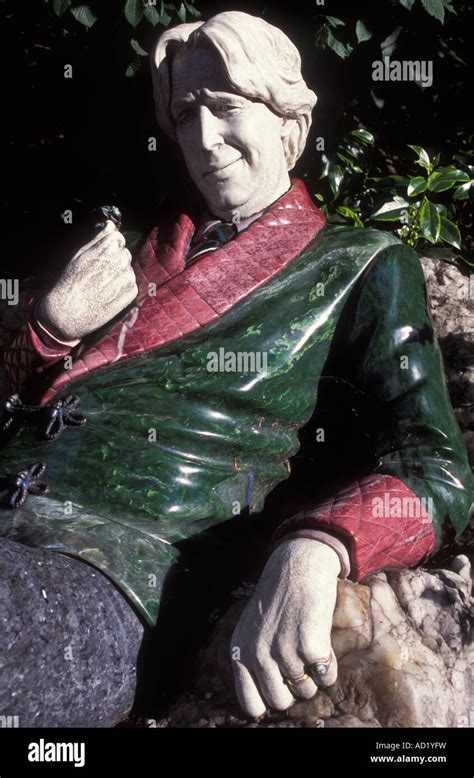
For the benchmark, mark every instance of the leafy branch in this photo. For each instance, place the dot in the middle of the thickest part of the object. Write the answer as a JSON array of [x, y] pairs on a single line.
[[327, 36], [136, 12], [413, 210]]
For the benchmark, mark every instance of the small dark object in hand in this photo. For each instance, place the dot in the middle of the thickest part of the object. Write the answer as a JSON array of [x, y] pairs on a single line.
[[21, 484], [107, 213]]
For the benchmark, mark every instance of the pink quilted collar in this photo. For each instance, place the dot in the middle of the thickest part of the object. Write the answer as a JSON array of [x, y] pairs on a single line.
[[289, 223], [174, 300]]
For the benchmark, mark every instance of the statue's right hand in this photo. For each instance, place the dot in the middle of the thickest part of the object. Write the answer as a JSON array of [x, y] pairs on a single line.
[[96, 285]]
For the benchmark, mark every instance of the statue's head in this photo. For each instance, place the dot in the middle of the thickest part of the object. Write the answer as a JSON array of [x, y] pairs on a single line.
[[231, 93]]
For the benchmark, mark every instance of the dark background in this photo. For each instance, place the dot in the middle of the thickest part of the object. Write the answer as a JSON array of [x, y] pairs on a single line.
[[77, 143]]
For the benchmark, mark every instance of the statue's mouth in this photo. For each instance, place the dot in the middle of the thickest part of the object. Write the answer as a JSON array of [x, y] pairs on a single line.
[[215, 170]]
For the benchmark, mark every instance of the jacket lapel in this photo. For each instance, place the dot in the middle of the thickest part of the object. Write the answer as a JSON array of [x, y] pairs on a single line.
[[174, 300]]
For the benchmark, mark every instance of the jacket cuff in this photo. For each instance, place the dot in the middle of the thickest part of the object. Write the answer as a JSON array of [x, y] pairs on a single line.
[[380, 520], [328, 540], [28, 355]]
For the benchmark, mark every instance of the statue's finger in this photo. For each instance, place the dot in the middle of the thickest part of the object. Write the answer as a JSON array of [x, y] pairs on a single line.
[[321, 665], [272, 685], [298, 681], [248, 695], [109, 228]]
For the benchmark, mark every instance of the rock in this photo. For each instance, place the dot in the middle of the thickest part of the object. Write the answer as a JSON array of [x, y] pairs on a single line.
[[349, 721], [405, 650], [320, 707], [451, 296]]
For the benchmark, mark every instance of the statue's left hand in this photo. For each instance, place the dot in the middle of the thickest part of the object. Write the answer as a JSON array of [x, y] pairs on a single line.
[[286, 627]]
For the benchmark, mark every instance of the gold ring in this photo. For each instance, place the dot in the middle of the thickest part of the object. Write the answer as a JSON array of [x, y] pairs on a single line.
[[299, 679]]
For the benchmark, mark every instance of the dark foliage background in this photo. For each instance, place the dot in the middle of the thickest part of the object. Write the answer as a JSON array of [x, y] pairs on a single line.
[[76, 143]]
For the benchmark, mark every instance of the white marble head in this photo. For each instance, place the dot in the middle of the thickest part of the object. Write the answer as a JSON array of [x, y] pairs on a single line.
[[231, 93]]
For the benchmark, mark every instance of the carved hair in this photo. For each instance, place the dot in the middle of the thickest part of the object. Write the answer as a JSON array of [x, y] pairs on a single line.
[[260, 62]]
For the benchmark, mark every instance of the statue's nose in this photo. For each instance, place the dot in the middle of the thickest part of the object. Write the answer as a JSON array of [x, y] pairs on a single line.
[[210, 129]]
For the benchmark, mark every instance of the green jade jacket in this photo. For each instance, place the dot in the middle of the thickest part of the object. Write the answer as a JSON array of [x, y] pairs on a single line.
[[195, 398]]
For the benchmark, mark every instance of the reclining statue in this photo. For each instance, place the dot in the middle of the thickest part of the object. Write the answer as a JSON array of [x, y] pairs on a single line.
[[170, 392]]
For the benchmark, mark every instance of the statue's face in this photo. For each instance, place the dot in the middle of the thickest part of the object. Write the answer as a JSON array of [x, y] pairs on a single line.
[[232, 146]]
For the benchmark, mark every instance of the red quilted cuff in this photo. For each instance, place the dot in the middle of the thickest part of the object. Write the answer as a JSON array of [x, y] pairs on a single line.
[[384, 524], [27, 354]]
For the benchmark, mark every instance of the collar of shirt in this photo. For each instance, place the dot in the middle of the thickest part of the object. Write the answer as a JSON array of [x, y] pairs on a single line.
[[209, 221]]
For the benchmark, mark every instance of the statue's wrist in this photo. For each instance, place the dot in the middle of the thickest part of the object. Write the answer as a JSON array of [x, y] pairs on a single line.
[[47, 331], [322, 539]]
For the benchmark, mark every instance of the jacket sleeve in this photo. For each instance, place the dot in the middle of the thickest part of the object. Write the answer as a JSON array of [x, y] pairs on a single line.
[[420, 493], [31, 351]]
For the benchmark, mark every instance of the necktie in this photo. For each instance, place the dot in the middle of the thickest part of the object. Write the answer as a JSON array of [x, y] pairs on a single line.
[[213, 239]]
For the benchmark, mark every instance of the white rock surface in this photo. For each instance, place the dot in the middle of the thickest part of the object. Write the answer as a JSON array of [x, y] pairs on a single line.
[[404, 645]]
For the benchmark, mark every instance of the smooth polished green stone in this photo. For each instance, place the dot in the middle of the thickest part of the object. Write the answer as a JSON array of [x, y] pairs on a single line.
[[120, 498]]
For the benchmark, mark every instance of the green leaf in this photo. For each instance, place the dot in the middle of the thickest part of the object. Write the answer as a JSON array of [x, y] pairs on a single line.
[[192, 10], [341, 49], [138, 49], [423, 158], [326, 166], [333, 21], [344, 158], [462, 192], [356, 150], [408, 4], [182, 13], [134, 67], [389, 182], [349, 214], [463, 159], [152, 15], [389, 44], [363, 34], [133, 12], [445, 178], [379, 101], [60, 6], [335, 177], [434, 8], [84, 15], [365, 136], [417, 185], [391, 211], [440, 252], [449, 232], [430, 222], [165, 18]]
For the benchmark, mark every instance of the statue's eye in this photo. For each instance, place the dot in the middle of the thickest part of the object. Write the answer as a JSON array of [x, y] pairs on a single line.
[[226, 107], [185, 117]]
